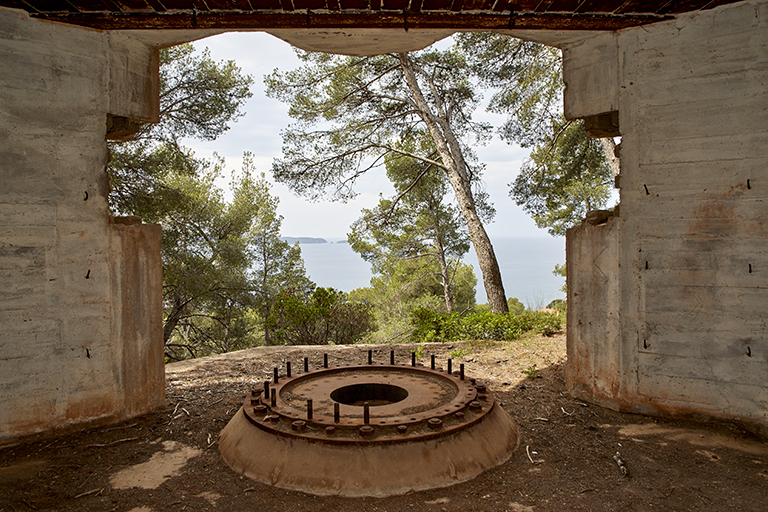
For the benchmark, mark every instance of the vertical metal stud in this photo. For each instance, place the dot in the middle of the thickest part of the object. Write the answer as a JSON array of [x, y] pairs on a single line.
[[273, 399], [277, 378], [325, 360], [366, 413], [450, 366], [336, 413], [266, 389], [306, 364], [392, 357], [461, 371], [309, 408], [370, 356], [433, 361], [288, 369], [413, 358]]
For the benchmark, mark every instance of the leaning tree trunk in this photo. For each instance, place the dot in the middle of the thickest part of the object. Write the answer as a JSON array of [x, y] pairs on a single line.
[[486, 257], [444, 271], [455, 167]]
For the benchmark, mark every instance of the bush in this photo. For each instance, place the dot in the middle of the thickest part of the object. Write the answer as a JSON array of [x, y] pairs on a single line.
[[323, 317], [431, 326]]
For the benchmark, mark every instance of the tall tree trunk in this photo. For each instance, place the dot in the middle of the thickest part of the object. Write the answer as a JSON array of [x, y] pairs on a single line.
[[449, 150], [444, 271]]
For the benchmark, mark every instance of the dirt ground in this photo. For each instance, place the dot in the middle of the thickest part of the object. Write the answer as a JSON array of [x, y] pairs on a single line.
[[169, 460]]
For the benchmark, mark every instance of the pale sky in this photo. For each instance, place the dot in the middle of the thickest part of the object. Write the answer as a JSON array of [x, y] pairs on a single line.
[[258, 131]]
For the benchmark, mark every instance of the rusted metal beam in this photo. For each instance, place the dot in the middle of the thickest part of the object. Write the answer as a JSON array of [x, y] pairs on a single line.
[[230, 20]]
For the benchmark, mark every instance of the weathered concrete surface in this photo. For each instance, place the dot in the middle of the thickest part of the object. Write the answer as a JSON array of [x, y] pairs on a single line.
[[71, 328], [594, 332], [692, 98]]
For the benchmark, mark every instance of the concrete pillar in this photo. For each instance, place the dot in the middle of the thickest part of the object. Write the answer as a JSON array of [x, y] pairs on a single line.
[[80, 306], [691, 99]]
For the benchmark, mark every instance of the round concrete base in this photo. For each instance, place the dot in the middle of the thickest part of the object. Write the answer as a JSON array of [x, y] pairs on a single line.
[[368, 468]]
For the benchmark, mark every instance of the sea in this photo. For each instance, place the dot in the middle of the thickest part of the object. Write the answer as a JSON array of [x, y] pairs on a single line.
[[526, 268]]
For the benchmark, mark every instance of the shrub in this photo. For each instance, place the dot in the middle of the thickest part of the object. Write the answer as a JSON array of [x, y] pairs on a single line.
[[323, 317], [431, 326]]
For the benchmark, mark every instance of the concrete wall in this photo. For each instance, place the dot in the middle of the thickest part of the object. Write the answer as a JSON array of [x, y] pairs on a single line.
[[692, 98], [594, 331], [75, 344]]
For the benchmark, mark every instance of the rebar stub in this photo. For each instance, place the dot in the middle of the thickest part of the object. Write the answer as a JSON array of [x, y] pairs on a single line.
[[423, 429]]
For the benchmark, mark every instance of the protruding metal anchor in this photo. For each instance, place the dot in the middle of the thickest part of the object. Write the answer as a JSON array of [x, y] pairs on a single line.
[[435, 423]]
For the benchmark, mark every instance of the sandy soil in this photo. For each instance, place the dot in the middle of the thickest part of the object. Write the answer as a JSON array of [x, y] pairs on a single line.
[[169, 460]]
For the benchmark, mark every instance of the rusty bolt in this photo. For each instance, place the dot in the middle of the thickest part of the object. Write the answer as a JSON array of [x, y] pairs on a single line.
[[266, 389], [366, 413], [325, 360], [277, 378], [370, 356], [288, 369], [336, 414], [461, 371], [273, 400], [402, 429], [459, 414], [475, 405], [330, 430], [480, 388], [366, 431], [392, 357], [433, 361], [450, 366], [413, 358], [255, 392], [482, 396], [435, 423], [309, 408], [254, 401], [299, 425], [473, 381], [260, 409], [273, 418], [306, 364]]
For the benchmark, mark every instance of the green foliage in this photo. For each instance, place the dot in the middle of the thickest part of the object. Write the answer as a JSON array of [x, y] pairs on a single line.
[[198, 97], [431, 326], [561, 270], [567, 174], [526, 79], [566, 177], [411, 284], [531, 371], [353, 114], [560, 305], [515, 306], [222, 260], [459, 353], [324, 316], [417, 223]]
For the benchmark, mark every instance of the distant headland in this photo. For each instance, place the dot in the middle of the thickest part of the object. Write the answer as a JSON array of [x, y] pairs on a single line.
[[303, 239]]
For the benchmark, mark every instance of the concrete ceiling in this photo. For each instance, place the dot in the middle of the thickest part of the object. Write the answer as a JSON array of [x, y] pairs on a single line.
[[360, 14]]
